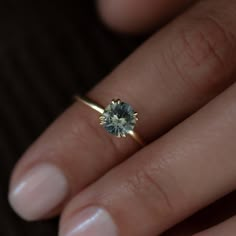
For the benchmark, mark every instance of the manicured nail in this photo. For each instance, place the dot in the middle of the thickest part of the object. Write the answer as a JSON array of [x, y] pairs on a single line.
[[91, 221], [38, 192]]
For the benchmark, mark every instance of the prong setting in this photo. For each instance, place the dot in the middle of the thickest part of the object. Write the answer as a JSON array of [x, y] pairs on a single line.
[[118, 118]]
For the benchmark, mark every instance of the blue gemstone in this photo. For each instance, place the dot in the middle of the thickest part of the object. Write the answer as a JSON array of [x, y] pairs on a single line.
[[118, 118]]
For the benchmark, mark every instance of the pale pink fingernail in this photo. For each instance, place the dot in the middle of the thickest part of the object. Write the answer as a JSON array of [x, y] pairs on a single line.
[[91, 221], [38, 192]]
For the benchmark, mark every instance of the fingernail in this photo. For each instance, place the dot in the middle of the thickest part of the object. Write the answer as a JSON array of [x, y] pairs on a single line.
[[91, 221], [38, 192]]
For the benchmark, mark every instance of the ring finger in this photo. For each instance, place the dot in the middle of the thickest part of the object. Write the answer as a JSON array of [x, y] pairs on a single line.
[[187, 169]]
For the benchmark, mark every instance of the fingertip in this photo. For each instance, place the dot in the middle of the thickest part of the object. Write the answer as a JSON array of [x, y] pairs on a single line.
[[89, 221], [111, 15], [38, 192], [126, 16], [139, 16]]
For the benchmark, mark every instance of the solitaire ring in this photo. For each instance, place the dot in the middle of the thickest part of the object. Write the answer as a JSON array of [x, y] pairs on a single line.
[[118, 118]]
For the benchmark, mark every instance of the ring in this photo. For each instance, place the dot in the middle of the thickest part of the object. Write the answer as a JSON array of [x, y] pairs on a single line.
[[118, 118]]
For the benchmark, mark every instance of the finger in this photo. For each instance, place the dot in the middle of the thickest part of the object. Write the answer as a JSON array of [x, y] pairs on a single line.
[[134, 16], [169, 77], [227, 228], [190, 167]]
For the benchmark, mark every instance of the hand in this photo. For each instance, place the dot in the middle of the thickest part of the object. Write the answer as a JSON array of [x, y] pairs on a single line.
[[180, 82]]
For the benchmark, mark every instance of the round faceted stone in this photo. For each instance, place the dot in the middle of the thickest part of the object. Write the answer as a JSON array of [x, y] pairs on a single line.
[[118, 118]]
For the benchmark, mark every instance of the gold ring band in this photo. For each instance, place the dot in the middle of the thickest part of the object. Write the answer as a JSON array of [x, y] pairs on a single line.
[[101, 111]]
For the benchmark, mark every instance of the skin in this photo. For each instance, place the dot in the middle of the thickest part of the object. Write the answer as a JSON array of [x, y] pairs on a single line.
[[183, 66], [135, 16]]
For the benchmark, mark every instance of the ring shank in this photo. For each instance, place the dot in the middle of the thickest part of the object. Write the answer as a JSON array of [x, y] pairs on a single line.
[[100, 110], [89, 103]]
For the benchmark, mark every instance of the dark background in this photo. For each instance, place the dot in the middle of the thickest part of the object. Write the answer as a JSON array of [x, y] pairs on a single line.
[[48, 53]]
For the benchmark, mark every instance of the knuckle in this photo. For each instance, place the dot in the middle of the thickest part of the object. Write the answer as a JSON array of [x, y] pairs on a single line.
[[201, 52], [145, 185]]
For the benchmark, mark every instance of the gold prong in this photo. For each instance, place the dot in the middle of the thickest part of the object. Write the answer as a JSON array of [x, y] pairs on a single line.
[[101, 117], [135, 113], [118, 101], [124, 135]]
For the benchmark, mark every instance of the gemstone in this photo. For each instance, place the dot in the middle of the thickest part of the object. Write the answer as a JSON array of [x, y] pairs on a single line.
[[118, 118]]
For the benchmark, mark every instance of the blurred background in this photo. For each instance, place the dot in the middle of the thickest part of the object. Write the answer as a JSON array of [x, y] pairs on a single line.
[[48, 53]]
